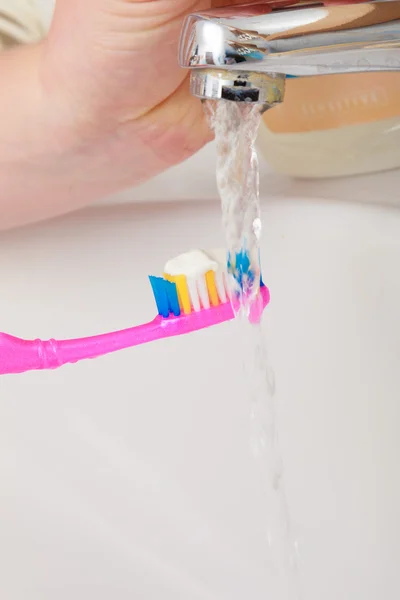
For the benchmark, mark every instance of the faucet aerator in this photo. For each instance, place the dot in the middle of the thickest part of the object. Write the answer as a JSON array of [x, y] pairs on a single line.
[[238, 86]]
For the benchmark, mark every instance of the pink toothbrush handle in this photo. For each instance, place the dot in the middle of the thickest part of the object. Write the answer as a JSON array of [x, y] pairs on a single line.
[[19, 356]]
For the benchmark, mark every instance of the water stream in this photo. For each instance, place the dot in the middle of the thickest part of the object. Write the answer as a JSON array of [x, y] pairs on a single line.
[[235, 126]]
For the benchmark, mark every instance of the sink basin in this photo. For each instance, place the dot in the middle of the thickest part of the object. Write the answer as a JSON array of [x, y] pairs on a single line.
[[130, 476]]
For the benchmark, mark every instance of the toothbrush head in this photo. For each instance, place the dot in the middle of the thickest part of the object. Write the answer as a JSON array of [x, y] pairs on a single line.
[[192, 281], [195, 282]]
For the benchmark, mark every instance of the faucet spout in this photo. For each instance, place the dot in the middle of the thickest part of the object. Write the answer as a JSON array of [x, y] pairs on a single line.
[[225, 48]]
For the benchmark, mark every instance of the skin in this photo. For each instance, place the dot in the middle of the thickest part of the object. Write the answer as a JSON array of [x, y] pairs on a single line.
[[98, 106]]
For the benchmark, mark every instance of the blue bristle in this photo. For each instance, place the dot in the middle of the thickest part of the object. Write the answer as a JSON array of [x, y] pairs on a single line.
[[160, 295], [243, 265], [242, 269], [172, 295]]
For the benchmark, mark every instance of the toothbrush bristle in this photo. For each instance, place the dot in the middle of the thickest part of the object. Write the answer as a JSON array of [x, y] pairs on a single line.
[[166, 296], [212, 288], [208, 290], [219, 277], [173, 298], [183, 291]]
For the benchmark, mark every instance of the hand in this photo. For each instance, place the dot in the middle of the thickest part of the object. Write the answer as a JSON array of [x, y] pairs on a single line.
[[100, 106], [116, 62], [113, 65]]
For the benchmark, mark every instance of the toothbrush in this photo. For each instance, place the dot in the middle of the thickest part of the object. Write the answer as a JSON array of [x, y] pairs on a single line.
[[193, 294]]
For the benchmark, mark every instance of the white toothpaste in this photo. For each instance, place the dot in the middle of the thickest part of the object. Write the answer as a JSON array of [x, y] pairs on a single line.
[[194, 265]]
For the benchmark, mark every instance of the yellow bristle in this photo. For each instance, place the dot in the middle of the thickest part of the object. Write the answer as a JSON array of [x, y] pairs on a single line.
[[212, 288], [183, 292]]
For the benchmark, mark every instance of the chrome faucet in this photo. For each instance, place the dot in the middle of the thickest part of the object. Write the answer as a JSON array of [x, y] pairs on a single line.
[[244, 53]]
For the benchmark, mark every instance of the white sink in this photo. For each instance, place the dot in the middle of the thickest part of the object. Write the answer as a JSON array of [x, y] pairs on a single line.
[[130, 476]]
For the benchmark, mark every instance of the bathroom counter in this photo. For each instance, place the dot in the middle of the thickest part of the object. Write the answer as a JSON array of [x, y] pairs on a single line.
[[130, 476]]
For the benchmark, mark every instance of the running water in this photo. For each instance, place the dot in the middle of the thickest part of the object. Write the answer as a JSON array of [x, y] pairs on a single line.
[[236, 125]]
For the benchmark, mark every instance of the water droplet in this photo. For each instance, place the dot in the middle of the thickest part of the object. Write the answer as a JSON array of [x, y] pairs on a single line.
[[257, 226]]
